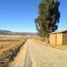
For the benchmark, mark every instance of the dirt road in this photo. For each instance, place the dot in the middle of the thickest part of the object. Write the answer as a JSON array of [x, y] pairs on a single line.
[[35, 54]]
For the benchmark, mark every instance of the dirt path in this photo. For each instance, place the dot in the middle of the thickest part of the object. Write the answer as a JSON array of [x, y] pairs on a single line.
[[35, 54]]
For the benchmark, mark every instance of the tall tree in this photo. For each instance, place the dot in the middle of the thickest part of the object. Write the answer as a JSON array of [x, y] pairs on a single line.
[[48, 18]]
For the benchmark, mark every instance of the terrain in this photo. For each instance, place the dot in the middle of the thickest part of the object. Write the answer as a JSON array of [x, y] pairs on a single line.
[[9, 47], [29, 51], [35, 54], [7, 32]]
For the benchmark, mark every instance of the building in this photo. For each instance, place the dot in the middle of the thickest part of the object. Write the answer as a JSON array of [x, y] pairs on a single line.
[[58, 38]]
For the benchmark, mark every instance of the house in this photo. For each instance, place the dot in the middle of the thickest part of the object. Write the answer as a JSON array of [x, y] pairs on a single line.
[[58, 38]]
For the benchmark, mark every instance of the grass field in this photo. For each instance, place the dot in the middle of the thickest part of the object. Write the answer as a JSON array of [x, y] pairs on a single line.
[[9, 46]]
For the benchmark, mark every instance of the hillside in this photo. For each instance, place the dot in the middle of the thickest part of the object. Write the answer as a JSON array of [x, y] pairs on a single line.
[[6, 32]]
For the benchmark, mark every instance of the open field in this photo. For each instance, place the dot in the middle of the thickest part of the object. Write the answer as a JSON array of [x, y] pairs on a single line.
[[9, 46]]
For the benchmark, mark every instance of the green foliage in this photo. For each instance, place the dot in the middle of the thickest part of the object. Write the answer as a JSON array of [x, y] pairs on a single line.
[[48, 17]]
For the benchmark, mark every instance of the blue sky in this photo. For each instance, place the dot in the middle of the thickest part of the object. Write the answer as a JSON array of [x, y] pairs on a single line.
[[19, 15], [63, 11]]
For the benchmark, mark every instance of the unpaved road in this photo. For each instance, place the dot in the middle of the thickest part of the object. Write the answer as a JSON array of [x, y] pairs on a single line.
[[35, 54]]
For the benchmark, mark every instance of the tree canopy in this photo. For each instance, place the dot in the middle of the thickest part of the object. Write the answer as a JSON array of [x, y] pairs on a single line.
[[48, 18]]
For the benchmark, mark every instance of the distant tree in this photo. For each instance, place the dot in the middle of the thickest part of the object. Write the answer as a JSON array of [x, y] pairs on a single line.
[[48, 18]]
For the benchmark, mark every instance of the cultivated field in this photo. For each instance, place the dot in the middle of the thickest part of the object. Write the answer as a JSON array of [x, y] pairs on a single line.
[[9, 47]]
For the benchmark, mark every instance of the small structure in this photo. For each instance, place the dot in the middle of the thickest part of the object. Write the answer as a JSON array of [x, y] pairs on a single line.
[[58, 38]]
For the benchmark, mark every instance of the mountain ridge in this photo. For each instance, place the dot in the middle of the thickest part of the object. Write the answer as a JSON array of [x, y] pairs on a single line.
[[7, 32]]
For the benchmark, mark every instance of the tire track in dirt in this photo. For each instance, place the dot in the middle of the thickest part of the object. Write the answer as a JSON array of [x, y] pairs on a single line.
[[27, 62]]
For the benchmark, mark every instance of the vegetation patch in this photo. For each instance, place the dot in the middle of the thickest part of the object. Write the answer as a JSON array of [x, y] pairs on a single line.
[[9, 49]]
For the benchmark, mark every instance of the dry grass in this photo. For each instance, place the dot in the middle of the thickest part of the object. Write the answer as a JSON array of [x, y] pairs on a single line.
[[62, 47], [9, 46]]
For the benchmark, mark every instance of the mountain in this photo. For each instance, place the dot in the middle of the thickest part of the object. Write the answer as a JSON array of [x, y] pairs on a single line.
[[6, 32]]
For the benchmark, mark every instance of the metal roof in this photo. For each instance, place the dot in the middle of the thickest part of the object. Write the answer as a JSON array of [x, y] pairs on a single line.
[[61, 31]]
